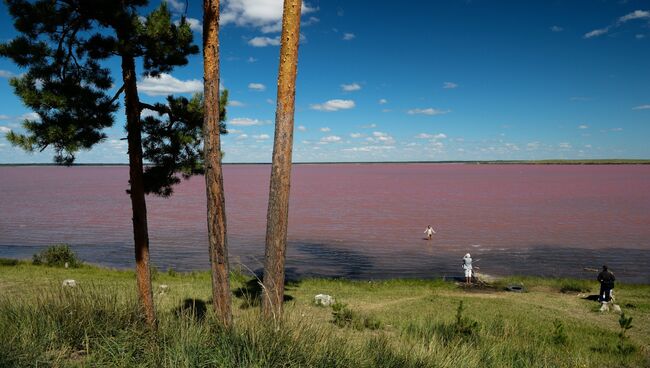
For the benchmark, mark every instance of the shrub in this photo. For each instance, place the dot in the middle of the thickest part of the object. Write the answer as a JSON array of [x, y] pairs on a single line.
[[57, 256]]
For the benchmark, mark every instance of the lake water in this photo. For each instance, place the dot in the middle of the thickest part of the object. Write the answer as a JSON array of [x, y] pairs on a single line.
[[361, 221]]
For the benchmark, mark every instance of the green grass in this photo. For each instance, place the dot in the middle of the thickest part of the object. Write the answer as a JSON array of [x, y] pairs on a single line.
[[393, 323]]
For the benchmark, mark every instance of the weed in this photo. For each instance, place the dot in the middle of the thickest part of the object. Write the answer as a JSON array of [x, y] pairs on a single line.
[[623, 346]]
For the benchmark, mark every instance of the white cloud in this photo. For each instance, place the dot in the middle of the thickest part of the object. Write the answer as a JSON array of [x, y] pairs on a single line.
[[333, 105], [247, 122], [256, 86], [302, 128], [30, 116], [583, 126], [616, 129], [167, 84], [369, 126], [348, 36], [262, 137], [331, 139], [532, 146], [195, 24], [4, 129], [381, 137], [450, 85], [637, 14], [251, 59], [368, 148], [427, 111], [564, 145], [270, 101], [263, 14], [5, 117], [176, 5], [641, 107], [596, 32], [356, 135], [235, 131], [6, 74], [263, 41], [241, 137], [383, 101], [145, 113], [325, 129], [556, 29], [431, 136], [235, 103], [639, 36], [350, 87]]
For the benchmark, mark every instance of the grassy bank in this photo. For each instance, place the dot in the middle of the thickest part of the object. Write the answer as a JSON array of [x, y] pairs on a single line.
[[398, 323]]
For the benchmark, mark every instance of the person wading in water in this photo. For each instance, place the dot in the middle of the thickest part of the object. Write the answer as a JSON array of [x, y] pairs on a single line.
[[429, 232]]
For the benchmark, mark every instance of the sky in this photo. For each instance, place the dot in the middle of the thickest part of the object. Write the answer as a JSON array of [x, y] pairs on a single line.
[[412, 81]]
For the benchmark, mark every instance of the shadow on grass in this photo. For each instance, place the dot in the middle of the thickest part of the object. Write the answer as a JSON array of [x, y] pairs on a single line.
[[251, 293], [194, 308]]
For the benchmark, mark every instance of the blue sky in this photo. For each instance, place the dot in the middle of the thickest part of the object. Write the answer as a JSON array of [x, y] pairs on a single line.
[[421, 80]]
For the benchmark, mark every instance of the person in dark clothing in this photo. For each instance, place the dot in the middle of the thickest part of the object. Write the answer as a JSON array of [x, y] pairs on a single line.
[[606, 279]]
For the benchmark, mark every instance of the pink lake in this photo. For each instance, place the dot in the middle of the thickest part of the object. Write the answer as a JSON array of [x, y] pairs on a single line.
[[353, 220]]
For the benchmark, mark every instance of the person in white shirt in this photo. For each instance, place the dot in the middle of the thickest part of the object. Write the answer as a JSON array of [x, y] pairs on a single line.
[[429, 232], [467, 266]]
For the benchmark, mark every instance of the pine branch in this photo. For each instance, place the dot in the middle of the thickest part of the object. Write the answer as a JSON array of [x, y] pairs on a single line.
[[117, 94], [158, 108]]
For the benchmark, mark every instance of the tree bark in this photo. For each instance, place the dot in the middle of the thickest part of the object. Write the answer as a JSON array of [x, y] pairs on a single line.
[[278, 210], [218, 243], [136, 190]]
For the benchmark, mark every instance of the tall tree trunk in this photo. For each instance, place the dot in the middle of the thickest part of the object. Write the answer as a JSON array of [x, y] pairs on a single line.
[[278, 210], [221, 300], [138, 203]]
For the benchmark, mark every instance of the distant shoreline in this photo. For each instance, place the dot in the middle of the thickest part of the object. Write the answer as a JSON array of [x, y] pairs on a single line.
[[486, 162]]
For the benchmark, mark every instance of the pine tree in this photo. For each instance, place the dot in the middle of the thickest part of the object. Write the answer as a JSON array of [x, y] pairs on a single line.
[[218, 243], [278, 210], [61, 44]]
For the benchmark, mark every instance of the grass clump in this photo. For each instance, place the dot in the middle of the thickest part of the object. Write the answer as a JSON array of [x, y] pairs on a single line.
[[560, 336], [343, 316], [57, 255], [574, 286], [8, 262]]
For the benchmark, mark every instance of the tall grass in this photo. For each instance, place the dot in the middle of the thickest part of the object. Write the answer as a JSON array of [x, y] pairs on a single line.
[[103, 327]]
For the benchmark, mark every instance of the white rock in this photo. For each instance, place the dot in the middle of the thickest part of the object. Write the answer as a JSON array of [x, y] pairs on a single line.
[[69, 283], [323, 299]]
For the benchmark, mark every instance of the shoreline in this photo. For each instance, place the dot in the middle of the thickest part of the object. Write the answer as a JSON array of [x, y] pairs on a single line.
[[463, 162], [237, 270]]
